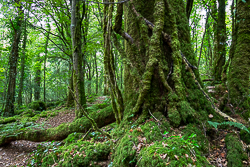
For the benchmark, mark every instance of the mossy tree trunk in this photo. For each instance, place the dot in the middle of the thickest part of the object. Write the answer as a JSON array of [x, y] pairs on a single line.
[[70, 98], [109, 64], [45, 60], [37, 80], [16, 27], [76, 34], [220, 56], [238, 83], [96, 73], [155, 77], [23, 58]]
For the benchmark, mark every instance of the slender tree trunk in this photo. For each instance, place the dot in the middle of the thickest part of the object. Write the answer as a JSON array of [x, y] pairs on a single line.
[[30, 92], [37, 88], [78, 80], [10, 99], [96, 73], [189, 7], [233, 43], [89, 78], [116, 96], [23, 58], [204, 34], [45, 60], [70, 99], [220, 57]]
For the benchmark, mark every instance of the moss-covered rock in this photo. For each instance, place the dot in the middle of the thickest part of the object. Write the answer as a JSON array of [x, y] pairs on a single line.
[[53, 104], [37, 106]]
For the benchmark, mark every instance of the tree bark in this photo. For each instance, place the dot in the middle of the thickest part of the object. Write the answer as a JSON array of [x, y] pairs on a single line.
[[189, 7], [96, 73], [155, 77], [10, 98], [70, 99], [23, 58], [78, 80], [220, 57], [37, 80], [45, 59], [238, 83]]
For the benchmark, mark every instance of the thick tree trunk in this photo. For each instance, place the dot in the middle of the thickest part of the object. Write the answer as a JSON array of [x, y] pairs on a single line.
[[155, 78], [239, 69], [10, 98], [78, 80]]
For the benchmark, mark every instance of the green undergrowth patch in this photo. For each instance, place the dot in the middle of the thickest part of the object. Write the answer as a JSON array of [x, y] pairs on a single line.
[[74, 152], [16, 128], [91, 98], [149, 145]]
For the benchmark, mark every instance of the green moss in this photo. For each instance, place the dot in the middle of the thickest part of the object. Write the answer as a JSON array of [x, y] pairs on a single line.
[[53, 104], [174, 117], [73, 137], [235, 153], [187, 113], [200, 137], [245, 136], [4, 120], [238, 81], [80, 153], [125, 152], [171, 151]]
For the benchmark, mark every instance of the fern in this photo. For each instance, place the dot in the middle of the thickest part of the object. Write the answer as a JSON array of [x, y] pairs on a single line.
[[235, 124]]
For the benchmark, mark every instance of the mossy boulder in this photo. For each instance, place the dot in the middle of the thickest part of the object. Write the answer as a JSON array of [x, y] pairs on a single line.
[[53, 104], [37, 105]]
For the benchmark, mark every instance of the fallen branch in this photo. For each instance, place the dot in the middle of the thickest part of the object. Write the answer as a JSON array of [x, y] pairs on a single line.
[[81, 125]]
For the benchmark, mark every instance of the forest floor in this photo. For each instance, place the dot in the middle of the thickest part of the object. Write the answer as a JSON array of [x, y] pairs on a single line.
[[17, 153]]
